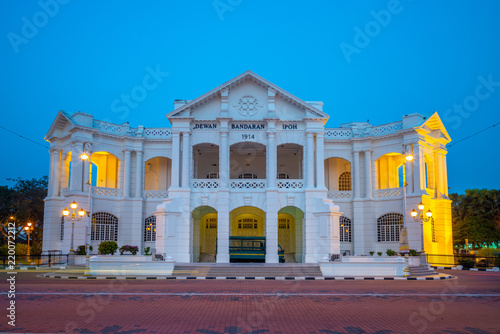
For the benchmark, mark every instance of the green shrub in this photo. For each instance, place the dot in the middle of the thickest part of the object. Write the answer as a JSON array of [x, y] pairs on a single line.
[[466, 262], [372, 252], [413, 252], [128, 248], [379, 253], [108, 247], [390, 252], [4, 249], [81, 250]]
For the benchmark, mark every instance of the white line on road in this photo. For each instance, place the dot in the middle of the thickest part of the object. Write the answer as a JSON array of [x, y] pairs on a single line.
[[278, 294]]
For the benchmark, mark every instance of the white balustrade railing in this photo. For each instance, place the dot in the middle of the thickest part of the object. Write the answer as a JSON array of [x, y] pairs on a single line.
[[156, 194], [160, 133], [105, 192], [338, 133], [387, 128], [290, 184], [248, 184], [389, 193], [339, 195], [204, 184]]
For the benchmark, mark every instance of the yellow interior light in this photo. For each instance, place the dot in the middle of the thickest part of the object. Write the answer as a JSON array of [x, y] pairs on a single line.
[[421, 206], [73, 205], [66, 212]]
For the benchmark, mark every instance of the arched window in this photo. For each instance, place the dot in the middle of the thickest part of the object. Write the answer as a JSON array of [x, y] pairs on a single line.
[[388, 227], [150, 228], [62, 228], [345, 181], [345, 229], [433, 230], [104, 227]]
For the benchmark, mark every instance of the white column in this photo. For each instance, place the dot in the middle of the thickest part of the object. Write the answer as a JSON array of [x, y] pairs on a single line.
[[76, 167], [138, 174], [55, 156], [409, 176], [419, 169], [320, 161], [357, 176], [271, 160], [310, 160], [224, 160], [186, 158], [126, 173], [175, 160], [368, 174]]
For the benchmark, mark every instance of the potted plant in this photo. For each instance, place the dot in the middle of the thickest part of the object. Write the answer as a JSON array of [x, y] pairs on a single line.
[[81, 250], [147, 251], [108, 247], [372, 252], [379, 253], [390, 252], [128, 248]]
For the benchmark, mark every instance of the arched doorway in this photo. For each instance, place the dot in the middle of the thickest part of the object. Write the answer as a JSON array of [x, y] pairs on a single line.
[[204, 234], [290, 235]]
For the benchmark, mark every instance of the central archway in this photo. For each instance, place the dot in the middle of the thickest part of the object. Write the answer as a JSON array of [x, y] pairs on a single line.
[[204, 234]]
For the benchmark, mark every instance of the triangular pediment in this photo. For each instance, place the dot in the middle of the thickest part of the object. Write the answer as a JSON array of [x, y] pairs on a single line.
[[434, 127], [248, 97], [60, 125]]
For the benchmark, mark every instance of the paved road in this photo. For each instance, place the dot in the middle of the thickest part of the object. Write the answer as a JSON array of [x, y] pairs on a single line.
[[468, 304]]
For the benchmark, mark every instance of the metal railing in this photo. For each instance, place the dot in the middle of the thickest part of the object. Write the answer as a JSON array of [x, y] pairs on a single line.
[[39, 260]]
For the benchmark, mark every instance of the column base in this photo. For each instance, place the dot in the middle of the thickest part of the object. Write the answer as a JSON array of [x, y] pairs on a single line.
[[222, 258], [272, 258]]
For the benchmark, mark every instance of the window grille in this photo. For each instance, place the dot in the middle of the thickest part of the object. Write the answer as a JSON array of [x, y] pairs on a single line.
[[212, 175], [388, 227], [62, 228], [345, 229], [150, 228], [247, 223], [104, 227], [284, 223], [247, 176], [433, 230], [345, 181], [211, 223]]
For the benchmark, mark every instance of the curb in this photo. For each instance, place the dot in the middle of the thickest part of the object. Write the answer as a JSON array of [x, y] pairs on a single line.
[[313, 278], [470, 269]]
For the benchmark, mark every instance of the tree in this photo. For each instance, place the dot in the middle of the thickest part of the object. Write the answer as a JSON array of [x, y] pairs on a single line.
[[476, 217], [25, 202]]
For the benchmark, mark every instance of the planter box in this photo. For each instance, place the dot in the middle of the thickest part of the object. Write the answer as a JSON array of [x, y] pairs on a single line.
[[364, 266], [137, 265]]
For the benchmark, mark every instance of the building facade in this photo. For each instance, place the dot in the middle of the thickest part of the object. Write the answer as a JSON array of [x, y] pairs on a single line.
[[249, 159]]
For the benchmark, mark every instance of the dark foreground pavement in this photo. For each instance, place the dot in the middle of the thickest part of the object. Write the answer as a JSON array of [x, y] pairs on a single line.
[[468, 304]]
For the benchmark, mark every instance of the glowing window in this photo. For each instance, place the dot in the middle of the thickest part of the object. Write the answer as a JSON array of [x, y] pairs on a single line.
[[345, 181], [388, 227], [104, 227], [150, 228], [345, 229]]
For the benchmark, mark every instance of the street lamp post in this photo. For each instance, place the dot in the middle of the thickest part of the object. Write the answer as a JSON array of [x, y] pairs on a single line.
[[29, 228], [87, 156], [73, 217], [422, 219]]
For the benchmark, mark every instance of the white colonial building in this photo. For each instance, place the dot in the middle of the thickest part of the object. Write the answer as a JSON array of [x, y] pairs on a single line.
[[249, 159]]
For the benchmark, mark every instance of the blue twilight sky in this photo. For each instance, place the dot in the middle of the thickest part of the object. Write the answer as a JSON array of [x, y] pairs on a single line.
[[375, 60]]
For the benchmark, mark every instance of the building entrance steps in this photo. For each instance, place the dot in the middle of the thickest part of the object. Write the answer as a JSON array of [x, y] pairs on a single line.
[[247, 270], [421, 271]]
